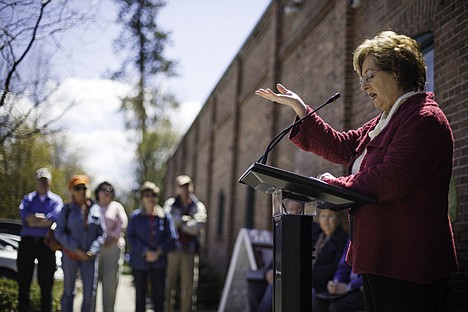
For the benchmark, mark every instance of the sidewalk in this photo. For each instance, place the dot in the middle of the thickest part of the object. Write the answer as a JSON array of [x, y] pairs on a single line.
[[124, 301], [125, 298]]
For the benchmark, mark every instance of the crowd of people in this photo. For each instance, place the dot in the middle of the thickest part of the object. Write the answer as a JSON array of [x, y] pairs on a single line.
[[163, 244]]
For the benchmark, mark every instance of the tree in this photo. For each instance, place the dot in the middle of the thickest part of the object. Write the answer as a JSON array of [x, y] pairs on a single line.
[[146, 110], [29, 32], [19, 161], [28, 37]]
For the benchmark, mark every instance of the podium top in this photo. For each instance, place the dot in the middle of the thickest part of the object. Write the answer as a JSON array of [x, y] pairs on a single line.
[[266, 179]]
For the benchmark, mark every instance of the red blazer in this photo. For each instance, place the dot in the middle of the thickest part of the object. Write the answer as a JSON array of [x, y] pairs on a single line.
[[406, 234]]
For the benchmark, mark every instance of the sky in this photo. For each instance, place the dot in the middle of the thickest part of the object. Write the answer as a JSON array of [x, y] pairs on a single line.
[[205, 36]]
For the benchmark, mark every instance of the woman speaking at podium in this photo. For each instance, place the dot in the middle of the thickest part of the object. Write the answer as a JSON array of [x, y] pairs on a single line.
[[403, 243]]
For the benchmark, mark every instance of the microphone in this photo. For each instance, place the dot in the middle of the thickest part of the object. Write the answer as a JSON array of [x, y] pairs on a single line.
[[281, 135]]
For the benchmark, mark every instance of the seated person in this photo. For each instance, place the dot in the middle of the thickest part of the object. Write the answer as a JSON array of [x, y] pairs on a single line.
[[260, 293], [344, 292], [328, 249]]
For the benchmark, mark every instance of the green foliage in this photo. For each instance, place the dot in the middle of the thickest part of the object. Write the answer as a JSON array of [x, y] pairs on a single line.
[[142, 36], [144, 44], [18, 162], [9, 296], [154, 150], [147, 107]]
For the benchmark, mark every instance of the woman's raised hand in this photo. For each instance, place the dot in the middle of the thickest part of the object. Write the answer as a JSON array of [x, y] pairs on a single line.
[[285, 97]]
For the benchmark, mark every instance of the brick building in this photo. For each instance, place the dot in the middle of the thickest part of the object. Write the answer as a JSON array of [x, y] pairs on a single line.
[[307, 45]]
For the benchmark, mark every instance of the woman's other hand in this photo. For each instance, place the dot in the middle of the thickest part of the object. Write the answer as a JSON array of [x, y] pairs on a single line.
[[336, 288], [326, 175]]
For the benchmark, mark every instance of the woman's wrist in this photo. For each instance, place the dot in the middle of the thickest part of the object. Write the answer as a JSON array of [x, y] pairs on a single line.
[[299, 108]]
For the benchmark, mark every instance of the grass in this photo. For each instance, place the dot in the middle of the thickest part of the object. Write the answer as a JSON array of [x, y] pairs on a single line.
[[9, 296]]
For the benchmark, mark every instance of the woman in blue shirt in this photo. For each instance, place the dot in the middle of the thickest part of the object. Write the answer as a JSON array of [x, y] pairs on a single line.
[[151, 234]]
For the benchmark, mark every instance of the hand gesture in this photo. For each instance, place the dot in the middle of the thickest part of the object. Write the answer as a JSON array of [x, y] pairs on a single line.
[[285, 97]]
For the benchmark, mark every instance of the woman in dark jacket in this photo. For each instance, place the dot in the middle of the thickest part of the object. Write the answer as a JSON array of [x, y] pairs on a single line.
[[328, 249], [151, 234]]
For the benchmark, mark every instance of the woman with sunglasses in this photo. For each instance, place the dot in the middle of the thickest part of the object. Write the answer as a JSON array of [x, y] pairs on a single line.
[[403, 243], [111, 256], [80, 230]]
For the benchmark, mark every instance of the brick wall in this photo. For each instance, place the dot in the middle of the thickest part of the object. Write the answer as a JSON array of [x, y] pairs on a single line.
[[310, 52], [451, 83]]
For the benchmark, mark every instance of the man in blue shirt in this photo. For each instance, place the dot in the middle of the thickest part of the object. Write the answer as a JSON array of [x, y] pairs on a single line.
[[38, 211]]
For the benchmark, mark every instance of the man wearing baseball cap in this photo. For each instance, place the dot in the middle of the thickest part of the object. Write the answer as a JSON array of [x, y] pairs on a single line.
[[38, 211], [189, 216]]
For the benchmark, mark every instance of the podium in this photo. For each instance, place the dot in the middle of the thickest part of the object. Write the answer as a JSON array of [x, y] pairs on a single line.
[[292, 232]]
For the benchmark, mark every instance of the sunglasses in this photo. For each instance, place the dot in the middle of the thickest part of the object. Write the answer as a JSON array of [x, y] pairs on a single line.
[[80, 188], [149, 195], [107, 189]]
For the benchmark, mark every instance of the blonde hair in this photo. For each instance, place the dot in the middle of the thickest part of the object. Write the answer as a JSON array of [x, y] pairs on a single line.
[[394, 53]]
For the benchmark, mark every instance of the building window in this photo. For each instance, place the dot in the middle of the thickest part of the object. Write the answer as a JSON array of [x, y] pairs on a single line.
[[249, 221], [426, 42], [220, 223]]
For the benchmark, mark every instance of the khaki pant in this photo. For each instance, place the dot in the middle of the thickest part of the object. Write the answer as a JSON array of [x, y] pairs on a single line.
[[109, 271], [182, 266]]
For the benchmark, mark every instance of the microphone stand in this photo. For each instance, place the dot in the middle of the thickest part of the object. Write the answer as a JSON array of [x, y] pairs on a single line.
[[280, 136]]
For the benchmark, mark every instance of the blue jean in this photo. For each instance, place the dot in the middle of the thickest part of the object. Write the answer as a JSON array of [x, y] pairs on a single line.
[[88, 273], [267, 300], [260, 296]]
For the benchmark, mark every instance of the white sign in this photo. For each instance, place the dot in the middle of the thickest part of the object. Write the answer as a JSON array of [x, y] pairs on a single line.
[[248, 251]]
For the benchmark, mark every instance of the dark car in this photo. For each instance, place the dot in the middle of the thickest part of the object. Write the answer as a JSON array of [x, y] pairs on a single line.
[[8, 253], [10, 226], [9, 242]]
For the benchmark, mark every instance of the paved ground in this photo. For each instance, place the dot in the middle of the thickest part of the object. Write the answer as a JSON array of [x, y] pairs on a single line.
[[125, 299]]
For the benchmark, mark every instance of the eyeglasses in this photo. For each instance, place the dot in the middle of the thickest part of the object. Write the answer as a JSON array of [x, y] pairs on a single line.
[[149, 195], [106, 189], [367, 78], [80, 188]]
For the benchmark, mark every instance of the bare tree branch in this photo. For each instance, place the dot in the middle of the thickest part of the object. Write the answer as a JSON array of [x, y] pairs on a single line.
[[16, 63], [28, 38]]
